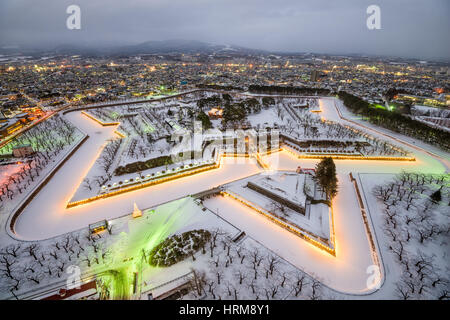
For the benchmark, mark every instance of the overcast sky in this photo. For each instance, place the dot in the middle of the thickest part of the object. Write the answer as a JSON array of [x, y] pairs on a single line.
[[410, 28]]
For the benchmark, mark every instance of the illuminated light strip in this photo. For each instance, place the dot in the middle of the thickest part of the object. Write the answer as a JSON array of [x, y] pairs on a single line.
[[341, 157], [269, 152], [120, 134], [104, 124], [331, 250], [263, 164], [214, 166], [235, 155], [332, 234], [142, 185], [141, 181]]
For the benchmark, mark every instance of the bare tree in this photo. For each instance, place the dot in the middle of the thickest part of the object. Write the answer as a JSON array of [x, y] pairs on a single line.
[[7, 265], [300, 281], [399, 249], [273, 261], [12, 250], [315, 290], [32, 250], [402, 291], [241, 275]]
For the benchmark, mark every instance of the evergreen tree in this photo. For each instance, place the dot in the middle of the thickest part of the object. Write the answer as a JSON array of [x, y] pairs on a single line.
[[234, 112], [203, 117], [227, 97], [436, 196], [326, 177]]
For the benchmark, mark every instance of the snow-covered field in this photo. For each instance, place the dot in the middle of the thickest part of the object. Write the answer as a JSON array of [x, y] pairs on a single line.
[[288, 185], [412, 232], [46, 216], [55, 219], [151, 129], [42, 264], [347, 271]]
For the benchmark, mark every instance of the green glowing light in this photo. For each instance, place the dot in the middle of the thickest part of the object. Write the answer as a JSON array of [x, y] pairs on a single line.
[[114, 115], [378, 106], [130, 250]]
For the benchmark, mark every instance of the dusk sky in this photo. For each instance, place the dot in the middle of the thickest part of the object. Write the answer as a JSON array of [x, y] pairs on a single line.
[[409, 28]]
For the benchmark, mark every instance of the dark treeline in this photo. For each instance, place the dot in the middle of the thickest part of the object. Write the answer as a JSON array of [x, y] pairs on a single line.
[[288, 90], [209, 102], [219, 87], [269, 89], [396, 122]]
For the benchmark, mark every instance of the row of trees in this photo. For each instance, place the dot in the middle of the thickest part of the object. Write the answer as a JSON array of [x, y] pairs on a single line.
[[303, 125], [24, 266], [287, 90], [396, 122], [49, 135], [417, 231], [48, 139], [250, 272]]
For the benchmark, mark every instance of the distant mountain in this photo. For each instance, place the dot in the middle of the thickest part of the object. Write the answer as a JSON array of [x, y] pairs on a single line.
[[149, 47], [183, 46], [175, 47], [170, 46], [72, 49]]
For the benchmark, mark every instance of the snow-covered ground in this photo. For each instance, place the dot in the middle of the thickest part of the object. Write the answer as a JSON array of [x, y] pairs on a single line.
[[428, 157], [421, 217], [347, 271], [29, 175], [149, 129], [46, 216], [44, 262], [54, 219], [288, 185]]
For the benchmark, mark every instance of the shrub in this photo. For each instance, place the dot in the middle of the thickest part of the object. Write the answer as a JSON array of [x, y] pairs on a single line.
[[176, 248]]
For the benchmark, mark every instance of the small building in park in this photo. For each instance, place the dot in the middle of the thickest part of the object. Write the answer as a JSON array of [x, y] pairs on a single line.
[[23, 151], [98, 226], [215, 113], [83, 291]]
